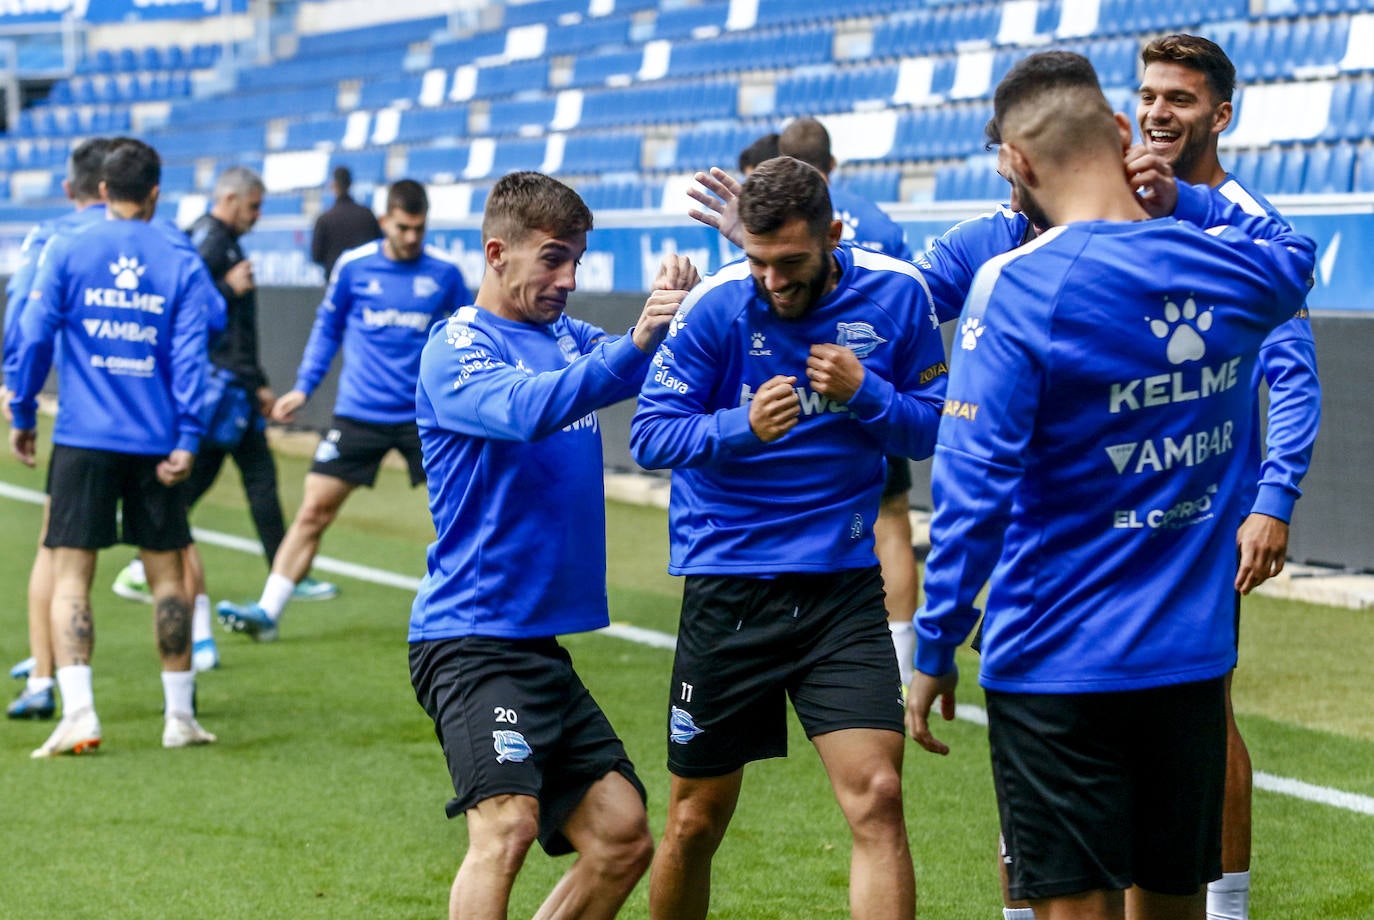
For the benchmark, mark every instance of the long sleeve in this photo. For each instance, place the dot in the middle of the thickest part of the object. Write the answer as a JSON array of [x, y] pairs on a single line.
[[189, 366], [326, 335], [37, 332], [17, 295], [1288, 361], [988, 421], [473, 391]]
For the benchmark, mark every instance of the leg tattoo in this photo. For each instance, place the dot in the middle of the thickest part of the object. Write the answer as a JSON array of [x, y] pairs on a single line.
[[173, 626]]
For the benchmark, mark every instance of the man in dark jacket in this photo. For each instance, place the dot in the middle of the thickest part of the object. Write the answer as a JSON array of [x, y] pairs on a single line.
[[346, 225]]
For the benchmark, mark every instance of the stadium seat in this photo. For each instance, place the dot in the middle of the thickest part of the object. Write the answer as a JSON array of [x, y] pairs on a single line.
[[1364, 170]]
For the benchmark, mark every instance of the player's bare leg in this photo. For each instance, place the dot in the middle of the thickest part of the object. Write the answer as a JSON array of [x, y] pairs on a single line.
[[699, 811], [610, 831], [865, 769]]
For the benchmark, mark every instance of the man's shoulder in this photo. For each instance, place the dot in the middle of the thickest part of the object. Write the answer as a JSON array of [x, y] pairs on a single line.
[[1247, 199], [359, 256]]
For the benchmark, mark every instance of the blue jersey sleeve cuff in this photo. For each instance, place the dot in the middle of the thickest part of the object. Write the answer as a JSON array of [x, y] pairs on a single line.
[[934, 658], [1193, 201], [189, 442], [1274, 501], [735, 432], [625, 360], [872, 397], [25, 414]]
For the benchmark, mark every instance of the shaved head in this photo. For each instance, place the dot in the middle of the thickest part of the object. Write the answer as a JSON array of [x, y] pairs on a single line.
[[1051, 105]]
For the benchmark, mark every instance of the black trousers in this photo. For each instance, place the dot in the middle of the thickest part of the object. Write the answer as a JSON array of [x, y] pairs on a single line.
[[258, 470]]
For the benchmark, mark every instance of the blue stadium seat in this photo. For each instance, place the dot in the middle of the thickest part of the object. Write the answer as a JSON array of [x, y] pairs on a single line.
[[380, 92], [509, 116], [512, 78], [1342, 93], [1330, 170], [427, 164], [367, 166], [429, 125], [603, 153], [1364, 170], [1359, 119]]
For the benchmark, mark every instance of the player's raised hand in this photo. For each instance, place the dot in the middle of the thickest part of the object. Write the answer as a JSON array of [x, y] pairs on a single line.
[[655, 318], [718, 192], [834, 371], [775, 408], [676, 273], [1152, 179], [920, 699]]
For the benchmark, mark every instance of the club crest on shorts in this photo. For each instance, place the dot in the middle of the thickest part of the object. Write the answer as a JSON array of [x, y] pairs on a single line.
[[860, 338], [681, 727], [510, 746]]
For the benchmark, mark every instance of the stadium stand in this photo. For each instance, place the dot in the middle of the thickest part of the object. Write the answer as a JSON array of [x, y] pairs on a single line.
[[622, 97]]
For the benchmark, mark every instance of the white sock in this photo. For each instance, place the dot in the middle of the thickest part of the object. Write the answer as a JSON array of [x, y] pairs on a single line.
[[136, 569], [200, 619], [1017, 913], [1228, 898], [37, 684], [275, 594], [179, 689], [904, 643], [74, 682]]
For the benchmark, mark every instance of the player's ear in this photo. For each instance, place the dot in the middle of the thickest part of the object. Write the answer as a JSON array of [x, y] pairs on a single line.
[[495, 251], [1221, 118], [836, 233], [1018, 164], [1123, 127]]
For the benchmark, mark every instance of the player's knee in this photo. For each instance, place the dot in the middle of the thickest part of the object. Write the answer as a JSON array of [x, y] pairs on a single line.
[[875, 807], [314, 517], [694, 826], [622, 854], [503, 840]]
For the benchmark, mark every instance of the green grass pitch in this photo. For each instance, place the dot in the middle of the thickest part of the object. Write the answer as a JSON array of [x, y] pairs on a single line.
[[324, 796]]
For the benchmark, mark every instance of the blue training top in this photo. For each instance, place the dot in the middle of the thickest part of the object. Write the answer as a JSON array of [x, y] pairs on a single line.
[[118, 294], [1099, 395], [512, 450], [807, 501], [380, 310]]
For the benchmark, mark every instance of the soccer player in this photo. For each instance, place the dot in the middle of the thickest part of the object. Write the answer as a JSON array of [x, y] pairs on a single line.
[[867, 226], [237, 205], [1098, 396], [764, 148], [381, 302], [507, 400], [344, 226], [82, 187], [785, 379], [115, 297], [1184, 106]]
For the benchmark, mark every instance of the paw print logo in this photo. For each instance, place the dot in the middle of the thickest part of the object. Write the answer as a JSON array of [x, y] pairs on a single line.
[[969, 332], [458, 333], [757, 339], [127, 271], [1183, 327]]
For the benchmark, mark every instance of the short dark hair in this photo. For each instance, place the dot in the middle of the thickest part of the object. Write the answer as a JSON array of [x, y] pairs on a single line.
[[523, 202], [1039, 75], [131, 170], [86, 166], [407, 195], [992, 135], [783, 189], [764, 148], [807, 140], [1196, 53], [343, 179]]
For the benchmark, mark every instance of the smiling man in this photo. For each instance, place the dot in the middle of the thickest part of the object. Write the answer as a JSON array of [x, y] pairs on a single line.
[[784, 380], [1183, 108]]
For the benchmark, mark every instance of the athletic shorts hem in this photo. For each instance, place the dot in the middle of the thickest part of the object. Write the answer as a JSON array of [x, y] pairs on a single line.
[[897, 725], [711, 772], [1063, 887]]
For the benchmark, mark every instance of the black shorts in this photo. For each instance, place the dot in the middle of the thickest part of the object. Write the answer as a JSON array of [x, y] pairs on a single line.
[[514, 718], [745, 644], [1109, 790], [352, 450], [92, 489], [898, 477]]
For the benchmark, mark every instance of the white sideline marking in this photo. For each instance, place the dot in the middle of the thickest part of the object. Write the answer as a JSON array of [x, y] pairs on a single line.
[[1281, 785]]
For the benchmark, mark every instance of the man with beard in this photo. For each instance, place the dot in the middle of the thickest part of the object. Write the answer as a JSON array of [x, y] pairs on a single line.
[[784, 380], [1184, 106], [1095, 501]]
